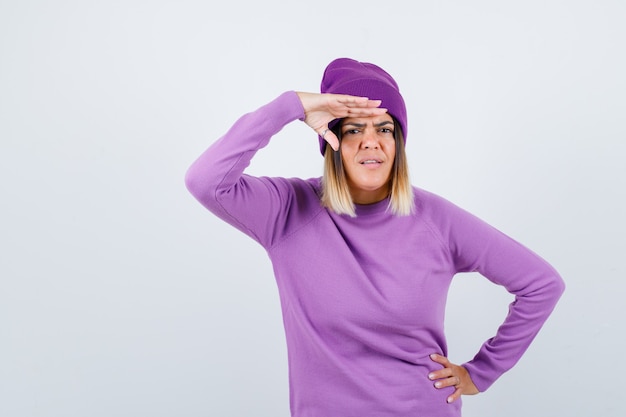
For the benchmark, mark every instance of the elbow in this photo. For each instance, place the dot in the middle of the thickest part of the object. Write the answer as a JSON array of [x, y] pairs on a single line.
[[555, 287], [546, 291], [199, 185], [192, 181], [560, 285]]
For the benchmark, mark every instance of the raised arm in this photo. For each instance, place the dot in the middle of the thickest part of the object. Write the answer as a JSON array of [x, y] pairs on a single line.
[[259, 206]]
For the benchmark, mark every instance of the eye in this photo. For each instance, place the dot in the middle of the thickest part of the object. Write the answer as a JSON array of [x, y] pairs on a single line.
[[386, 130], [350, 132]]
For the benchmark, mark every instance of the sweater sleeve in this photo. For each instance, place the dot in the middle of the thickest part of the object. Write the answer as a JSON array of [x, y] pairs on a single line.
[[478, 247], [217, 180]]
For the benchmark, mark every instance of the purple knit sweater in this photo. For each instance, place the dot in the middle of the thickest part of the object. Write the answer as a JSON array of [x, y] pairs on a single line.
[[363, 298]]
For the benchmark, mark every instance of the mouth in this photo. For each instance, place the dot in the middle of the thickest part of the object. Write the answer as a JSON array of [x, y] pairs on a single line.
[[370, 162]]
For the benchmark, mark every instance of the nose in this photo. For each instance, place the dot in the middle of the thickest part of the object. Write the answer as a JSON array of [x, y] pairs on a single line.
[[370, 140]]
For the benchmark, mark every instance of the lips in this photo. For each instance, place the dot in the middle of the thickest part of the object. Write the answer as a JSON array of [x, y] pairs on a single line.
[[370, 158], [370, 161]]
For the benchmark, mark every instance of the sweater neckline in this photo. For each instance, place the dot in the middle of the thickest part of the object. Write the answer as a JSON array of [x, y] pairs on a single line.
[[371, 209]]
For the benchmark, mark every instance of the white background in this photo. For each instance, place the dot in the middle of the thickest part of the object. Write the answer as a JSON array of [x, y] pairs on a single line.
[[121, 296]]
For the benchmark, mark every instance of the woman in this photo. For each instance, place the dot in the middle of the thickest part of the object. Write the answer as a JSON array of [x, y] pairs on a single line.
[[363, 260]]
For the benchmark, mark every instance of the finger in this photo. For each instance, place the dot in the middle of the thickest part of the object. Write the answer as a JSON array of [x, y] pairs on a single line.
[[345, 111], [440, 374], [442, 360], [357, 106], [365, 112], [356, 102], [451, 381], [455, 396], [332, 140], [444, 374]]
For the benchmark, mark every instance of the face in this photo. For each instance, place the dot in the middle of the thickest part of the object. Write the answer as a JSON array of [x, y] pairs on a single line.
[[368, 150]]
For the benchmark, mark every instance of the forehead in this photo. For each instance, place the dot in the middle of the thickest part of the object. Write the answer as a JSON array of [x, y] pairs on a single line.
[[376, 119]]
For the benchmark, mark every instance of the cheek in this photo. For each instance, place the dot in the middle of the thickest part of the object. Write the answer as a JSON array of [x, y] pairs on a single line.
[[346, 148], [390, 150]]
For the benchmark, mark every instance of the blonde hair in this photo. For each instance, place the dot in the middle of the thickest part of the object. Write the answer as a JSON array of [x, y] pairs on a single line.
[[336, 193]]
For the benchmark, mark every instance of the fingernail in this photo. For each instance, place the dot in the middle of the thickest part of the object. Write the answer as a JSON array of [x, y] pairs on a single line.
[[431, 376], [438, 384], [433, 356], [449, 400]]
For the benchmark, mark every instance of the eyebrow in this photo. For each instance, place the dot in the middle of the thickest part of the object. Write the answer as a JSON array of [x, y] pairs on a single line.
[[386, 122]]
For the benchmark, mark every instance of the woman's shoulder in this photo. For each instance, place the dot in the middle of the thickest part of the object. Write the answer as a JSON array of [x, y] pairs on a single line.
[[301, 192], [427, 201], [306, 185], [436, 209]]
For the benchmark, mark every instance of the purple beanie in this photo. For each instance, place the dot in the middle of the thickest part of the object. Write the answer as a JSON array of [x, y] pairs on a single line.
[[347, 76]]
